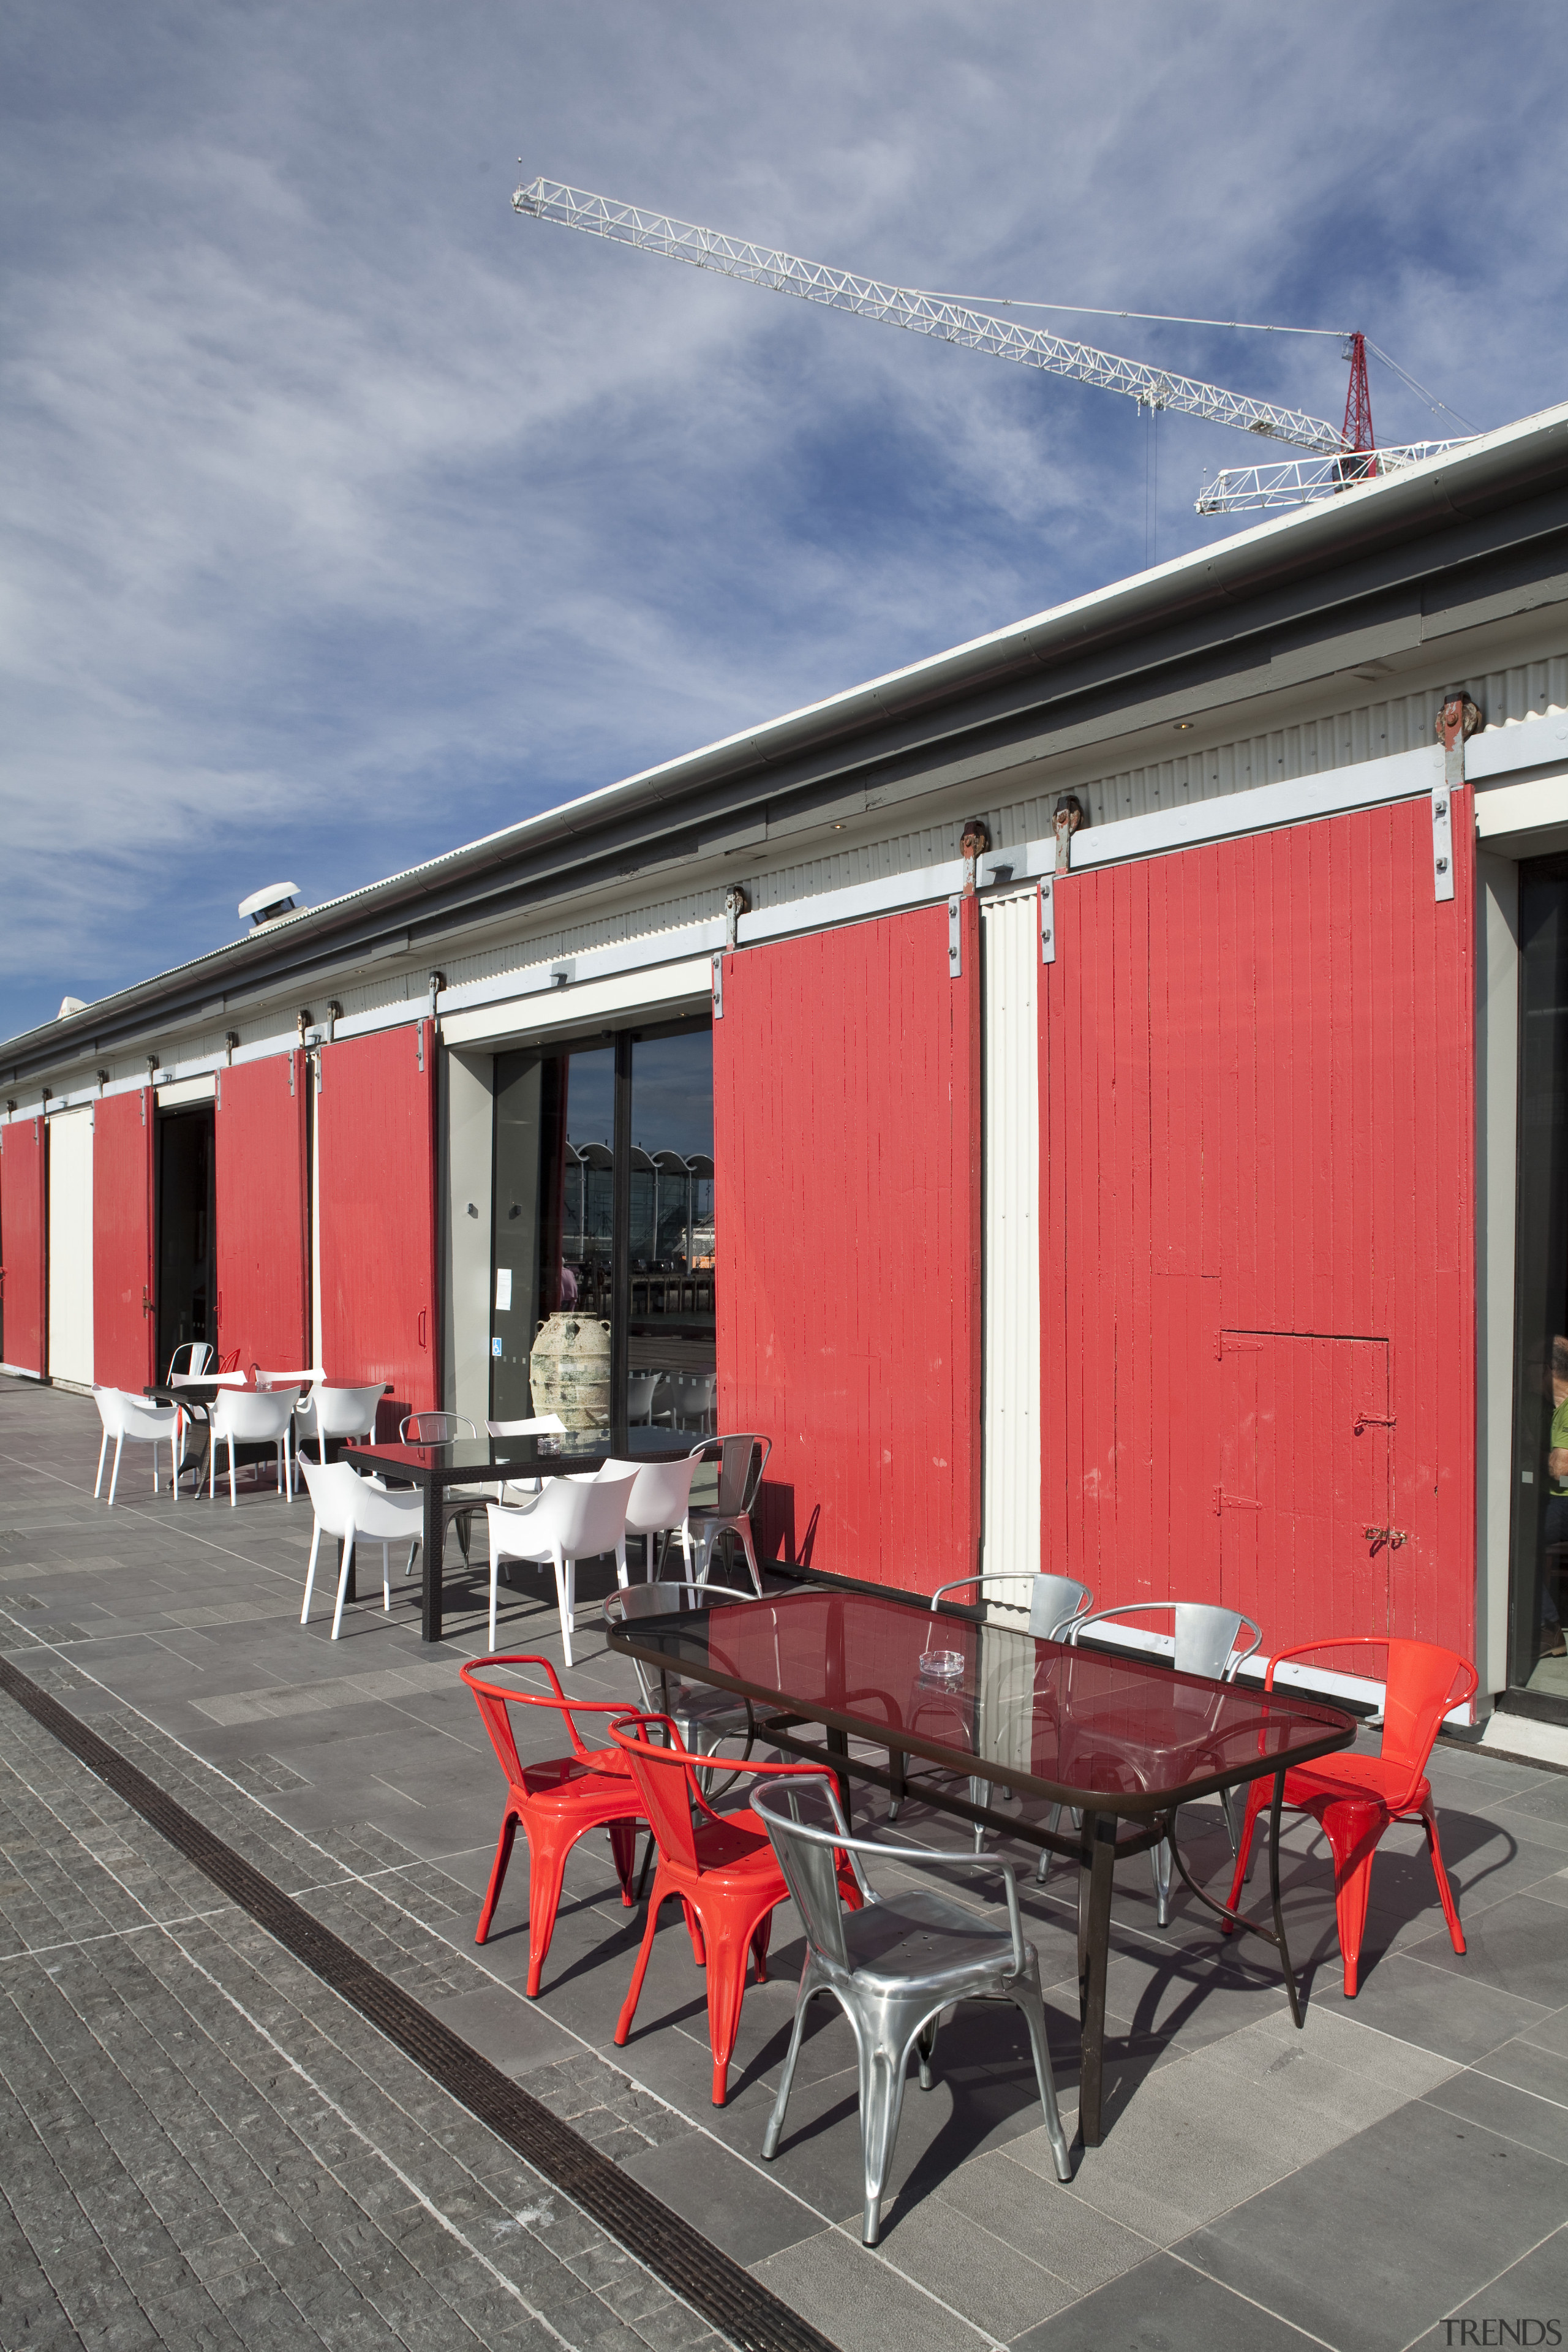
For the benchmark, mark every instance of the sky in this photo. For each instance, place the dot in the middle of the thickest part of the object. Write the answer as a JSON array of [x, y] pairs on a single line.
[[347, 516]]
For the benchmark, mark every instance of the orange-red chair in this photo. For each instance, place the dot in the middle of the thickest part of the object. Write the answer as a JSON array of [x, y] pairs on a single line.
[[720, 1865], [557, 1802], [1354, 1798]]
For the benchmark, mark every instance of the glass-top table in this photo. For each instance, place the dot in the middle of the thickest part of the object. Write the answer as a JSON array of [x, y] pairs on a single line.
[[1125, 1741], [486, 1463]]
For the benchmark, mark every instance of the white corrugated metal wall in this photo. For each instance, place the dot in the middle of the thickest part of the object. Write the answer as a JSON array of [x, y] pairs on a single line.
[[1010, 957], [70, 1247]]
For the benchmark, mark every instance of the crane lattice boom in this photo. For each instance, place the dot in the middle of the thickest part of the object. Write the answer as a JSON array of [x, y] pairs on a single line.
[[922, 314]]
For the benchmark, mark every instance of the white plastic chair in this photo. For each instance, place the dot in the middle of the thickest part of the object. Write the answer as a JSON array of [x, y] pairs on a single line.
[[542, 1424], [660, 1503], [354, 1509], [335, 1413], [640, 1388], [187, 1363], [127, 1417], [253, 1417], [575, 1519]]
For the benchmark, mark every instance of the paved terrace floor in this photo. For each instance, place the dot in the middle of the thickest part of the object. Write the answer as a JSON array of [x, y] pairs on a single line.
[[203, 2144]]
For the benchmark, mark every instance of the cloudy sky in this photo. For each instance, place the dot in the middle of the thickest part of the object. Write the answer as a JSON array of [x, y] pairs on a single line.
[[349, 516]]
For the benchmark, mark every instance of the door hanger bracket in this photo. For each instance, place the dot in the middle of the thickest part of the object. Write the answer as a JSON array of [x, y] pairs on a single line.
[[1047, 920], [1457, 720], [954, 939]]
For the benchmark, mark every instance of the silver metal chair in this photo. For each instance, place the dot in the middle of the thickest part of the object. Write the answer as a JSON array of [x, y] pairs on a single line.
[[1207, 1642], [458, 1504], [1055, 1604], [703, 1717], [742, 1462], [893, 1967]]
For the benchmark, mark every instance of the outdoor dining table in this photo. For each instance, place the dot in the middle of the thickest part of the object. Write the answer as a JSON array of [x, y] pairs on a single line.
[[1123, 1740], [195, 1393], [487, 1462]]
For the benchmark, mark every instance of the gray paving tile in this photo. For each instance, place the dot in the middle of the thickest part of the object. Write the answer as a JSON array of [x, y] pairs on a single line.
[[1512, 2111], [1533, 2289], [732, 2202], [1459, 2015], [1520, 1946], [859, 2299], [1164, 2306], [1334, 2246]]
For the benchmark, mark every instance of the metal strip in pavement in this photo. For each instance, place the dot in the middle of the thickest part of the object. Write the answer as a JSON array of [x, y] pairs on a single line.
[[718, 2288]]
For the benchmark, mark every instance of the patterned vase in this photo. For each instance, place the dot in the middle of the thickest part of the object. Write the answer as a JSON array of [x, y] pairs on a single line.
[[569, 1370]]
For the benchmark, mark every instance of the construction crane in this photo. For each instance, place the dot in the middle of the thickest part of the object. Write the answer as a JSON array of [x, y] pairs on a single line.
[[1340, 456]]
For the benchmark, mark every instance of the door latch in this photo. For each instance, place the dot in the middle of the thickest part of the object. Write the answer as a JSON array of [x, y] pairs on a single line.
[[1392, 1536]]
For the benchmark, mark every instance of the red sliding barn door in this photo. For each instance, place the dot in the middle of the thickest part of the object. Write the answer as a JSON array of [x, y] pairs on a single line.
[[262, 1214], [1258, 1153], [124, 1308], [375, 1125], [846, 1152], [23, 1224]]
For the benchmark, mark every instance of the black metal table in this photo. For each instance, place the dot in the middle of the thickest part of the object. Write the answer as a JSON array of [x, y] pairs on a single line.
[[486, 1462], [1124, 1741]]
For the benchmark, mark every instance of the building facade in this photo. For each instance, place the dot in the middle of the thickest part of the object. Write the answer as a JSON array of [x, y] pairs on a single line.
[[1097, 1099]]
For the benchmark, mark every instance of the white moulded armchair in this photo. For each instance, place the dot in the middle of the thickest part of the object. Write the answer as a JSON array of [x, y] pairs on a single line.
[[544, 1424], [253, 1417], [575, 1519], [358, 1510], [327, 1413], [661, 1502], [128, 1418]]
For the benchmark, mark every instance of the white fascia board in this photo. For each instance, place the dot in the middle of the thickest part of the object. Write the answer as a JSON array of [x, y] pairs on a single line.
[[1526, 743], [1522, 808], [855, 904], [663, 989], [188, 1091], [644, 954]]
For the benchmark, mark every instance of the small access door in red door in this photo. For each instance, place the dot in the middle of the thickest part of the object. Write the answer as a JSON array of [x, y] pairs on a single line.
[[1303, 1497], [261, 1214], [124, 1309], [23, 1223], [376, 1139]]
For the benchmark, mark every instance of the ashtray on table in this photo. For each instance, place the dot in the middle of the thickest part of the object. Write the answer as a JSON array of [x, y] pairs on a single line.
[[943, 1666]]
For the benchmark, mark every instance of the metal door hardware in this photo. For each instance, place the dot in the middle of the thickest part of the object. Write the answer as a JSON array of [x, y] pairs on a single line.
[[1375, 1421], [1458, 718], [1224, 1502], [1392, 1536], [717, 988], [955, 947]]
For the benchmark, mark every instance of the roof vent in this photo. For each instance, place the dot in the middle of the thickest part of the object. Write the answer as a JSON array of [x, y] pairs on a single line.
[[265, 906], [69, 1004]]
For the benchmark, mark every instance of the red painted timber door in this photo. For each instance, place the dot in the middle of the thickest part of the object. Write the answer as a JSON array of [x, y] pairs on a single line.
[[262, 1214], [1257, 1126], [847, 1155], [376, 1129], [124, 1306], [24, 1223]]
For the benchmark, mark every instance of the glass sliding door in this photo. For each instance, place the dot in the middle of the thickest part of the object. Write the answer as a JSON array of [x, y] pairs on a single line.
[[604, 1213], [1538, 1651], [672, 1364]]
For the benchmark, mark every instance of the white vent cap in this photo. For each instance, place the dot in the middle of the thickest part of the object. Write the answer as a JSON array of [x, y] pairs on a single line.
[[69, 1004], [265, 904]]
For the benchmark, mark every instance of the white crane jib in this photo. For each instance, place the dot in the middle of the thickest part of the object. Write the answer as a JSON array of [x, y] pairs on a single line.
[[922, 313]]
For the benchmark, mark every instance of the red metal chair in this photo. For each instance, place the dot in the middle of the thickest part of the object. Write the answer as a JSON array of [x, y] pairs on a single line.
[[557, 1802], [720, 1865], [1354, 1798]]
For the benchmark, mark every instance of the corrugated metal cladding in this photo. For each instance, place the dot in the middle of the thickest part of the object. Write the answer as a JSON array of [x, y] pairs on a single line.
[[24, 1223], [1342, 738], [70, 1247], [1258, 1289], [1009, 964], [847, 1150]]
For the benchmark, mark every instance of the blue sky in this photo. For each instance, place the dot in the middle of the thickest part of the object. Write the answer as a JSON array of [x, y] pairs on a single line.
[[349, 517]]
